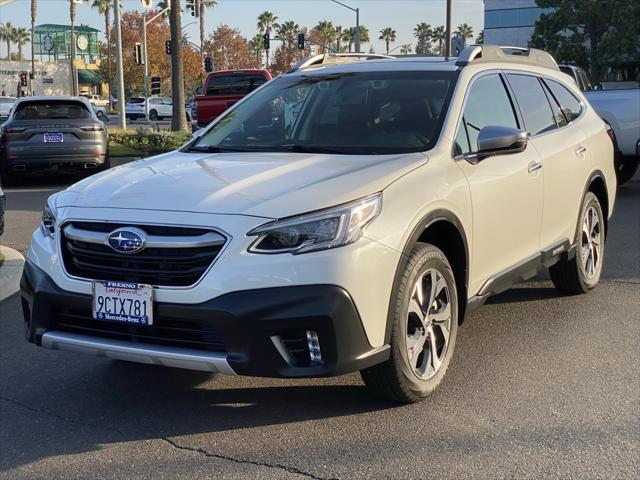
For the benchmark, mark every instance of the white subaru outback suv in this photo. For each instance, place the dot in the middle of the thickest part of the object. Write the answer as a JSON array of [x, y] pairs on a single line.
[[344, 217]]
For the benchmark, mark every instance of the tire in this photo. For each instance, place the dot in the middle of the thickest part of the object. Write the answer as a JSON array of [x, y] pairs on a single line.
[[409, 377], [8, 177], [626, 169], [582, 272], [153, 116]]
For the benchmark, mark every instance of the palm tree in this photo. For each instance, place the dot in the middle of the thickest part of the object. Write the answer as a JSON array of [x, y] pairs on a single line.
[[480, 37], [388, 35], [338, 33], [204, 4], [423, 33], [405, 49], [287, 30], [327, 32], [6, 34], [21, 37], [439, 34], [104, 8], [163, 4], [351, 36], [34, 12], [256, 45], [465, 31], [267, 21]]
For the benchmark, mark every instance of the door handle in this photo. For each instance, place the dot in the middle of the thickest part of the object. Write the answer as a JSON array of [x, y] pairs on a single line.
[[534, 166], [581, 150]]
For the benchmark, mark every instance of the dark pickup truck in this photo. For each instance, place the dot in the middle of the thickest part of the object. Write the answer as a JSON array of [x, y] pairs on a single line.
[[224, 88]]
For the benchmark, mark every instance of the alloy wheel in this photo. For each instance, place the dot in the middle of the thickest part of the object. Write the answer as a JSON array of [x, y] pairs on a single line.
[[591, 242], [428, 324]]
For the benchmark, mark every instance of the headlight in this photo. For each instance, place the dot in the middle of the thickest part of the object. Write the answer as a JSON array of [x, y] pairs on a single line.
[[330, 228], [48, 224]]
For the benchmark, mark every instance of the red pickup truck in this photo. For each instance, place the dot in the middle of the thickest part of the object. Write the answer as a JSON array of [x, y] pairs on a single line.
[[224, 88]]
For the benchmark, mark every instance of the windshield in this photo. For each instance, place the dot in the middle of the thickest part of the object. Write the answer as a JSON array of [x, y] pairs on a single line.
[[47, 110], [136, 100], [350, 113]]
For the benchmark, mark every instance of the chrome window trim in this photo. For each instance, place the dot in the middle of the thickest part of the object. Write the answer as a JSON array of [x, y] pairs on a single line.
[[59, 231]]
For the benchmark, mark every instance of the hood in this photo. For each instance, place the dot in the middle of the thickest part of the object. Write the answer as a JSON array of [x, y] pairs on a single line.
[[270, 185]]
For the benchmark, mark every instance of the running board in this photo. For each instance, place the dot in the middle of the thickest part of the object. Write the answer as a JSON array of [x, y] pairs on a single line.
[[141, 353]]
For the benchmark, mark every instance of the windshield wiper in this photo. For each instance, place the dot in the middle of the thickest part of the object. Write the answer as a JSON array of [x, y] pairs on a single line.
[[296, 147]]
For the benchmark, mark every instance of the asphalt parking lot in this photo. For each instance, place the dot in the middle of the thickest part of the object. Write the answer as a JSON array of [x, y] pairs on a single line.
[[541, 385]]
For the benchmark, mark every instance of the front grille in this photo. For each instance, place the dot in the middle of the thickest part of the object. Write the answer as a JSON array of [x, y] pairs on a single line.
[[166, 266], [171, 332]]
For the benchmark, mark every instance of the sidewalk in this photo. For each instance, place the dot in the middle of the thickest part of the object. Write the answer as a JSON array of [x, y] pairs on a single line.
[[10, 272]]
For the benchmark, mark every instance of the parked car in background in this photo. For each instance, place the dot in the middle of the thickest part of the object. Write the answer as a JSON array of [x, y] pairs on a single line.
[[95, 99], [101, 112], [224, 88], [345, 217], [6, 103], [160, 108], [52, 133], [620, 108]]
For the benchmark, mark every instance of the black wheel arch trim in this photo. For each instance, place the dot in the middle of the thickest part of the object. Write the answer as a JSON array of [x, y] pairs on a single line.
[[593, 176], [428, 220]]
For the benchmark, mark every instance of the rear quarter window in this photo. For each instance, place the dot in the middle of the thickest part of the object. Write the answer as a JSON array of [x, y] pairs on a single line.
[[571, 106]]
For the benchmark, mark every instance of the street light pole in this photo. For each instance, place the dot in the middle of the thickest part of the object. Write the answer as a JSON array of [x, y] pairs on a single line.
[[357, 12], [119, 73], [146, 63], [447, 45]]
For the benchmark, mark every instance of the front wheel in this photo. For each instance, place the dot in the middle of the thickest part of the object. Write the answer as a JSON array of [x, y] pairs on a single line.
[[582, 272], [153, 116], [424, 329]]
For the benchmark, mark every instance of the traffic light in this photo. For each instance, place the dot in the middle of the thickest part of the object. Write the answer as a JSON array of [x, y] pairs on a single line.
[[266, 41], [23, 79], [208, 67], [167, 47], [301, 41], [194, 6], [155, 85], [138, 54]]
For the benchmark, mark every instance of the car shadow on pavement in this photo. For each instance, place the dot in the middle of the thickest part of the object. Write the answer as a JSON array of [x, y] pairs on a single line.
[[524, 293]]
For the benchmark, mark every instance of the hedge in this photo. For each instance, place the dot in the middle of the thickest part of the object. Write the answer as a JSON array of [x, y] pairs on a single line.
[[150, 142]]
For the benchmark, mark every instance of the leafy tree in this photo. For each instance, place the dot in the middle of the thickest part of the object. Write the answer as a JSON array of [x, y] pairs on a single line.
[[256, 45], [388, 35], [422, 32], [598, 36], [465, 31], [439, 34], [230, 50], [21, 37]]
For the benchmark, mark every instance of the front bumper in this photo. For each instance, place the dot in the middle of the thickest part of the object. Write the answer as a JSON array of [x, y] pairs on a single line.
[[253, 332]]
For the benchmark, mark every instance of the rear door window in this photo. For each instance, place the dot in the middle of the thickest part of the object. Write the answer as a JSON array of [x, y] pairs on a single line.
[[48, 110], [240, 84], [534, 106], [571, 106], [488, 103]]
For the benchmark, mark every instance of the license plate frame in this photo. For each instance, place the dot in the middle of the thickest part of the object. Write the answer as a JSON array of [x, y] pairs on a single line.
[[116, 302], [53, 137]]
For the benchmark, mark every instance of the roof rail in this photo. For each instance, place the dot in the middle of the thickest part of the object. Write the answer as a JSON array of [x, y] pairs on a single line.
[[493, 53], [325, 59]]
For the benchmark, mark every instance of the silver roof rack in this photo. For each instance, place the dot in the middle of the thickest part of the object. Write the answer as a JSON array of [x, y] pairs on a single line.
[[325, 59], [495, 53]]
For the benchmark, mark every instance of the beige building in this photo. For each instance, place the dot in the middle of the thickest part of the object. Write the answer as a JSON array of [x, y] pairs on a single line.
[[52, 78]]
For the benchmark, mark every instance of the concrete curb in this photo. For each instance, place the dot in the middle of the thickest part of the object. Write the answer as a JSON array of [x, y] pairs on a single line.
[[10, 272]]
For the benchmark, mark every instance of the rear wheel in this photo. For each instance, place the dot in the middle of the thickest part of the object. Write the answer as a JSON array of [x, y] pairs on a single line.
[[626, 169], [425, 325], [581, 273]]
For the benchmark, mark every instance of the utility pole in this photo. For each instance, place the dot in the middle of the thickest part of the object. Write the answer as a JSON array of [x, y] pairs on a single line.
[[357, 12], [178, 114], [72, 48], [119, 73], [34, 9], [447, 45]]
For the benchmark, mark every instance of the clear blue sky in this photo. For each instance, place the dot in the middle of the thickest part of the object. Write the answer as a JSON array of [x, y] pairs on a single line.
[[402, 15]]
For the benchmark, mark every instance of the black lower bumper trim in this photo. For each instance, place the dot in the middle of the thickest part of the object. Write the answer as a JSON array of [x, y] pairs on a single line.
[[247, 325]]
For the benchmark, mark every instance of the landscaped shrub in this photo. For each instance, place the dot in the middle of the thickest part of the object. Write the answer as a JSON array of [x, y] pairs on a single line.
[[149, 142]]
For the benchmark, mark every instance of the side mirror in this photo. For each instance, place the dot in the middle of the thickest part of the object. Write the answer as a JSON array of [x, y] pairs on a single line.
[[497, 140], [199, 90], [598, 87]]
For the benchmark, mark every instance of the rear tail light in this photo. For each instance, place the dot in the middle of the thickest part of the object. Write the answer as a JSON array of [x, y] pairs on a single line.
[[13, 130], [610, 132], [93, 128]]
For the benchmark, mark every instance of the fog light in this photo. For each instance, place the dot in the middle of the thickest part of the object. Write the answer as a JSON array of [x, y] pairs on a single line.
[[315, 355]]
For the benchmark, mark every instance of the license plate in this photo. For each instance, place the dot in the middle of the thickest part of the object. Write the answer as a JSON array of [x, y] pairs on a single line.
[[53, 138], [123, 302]]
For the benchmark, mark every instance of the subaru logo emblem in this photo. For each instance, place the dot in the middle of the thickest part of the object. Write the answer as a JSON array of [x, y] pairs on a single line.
[[126, 240]]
